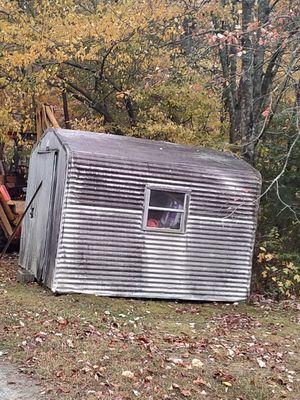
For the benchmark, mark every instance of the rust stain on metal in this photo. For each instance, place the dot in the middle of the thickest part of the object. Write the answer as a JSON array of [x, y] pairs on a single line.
[[87, 233]]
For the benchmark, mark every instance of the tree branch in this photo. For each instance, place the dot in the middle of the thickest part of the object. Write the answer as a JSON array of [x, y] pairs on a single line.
[[87, 99]]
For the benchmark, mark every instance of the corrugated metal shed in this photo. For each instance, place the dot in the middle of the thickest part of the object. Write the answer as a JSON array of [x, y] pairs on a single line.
[[97, 233]]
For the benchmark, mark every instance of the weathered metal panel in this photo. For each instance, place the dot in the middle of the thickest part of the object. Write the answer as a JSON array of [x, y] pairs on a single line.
[[104, 250], [143, 150], [40, 227]]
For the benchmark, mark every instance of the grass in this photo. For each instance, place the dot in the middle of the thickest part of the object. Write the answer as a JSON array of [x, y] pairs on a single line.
[[87, 347]]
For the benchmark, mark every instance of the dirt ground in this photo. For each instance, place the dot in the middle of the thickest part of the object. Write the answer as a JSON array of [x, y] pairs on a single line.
[[86, 347], [16, 386]]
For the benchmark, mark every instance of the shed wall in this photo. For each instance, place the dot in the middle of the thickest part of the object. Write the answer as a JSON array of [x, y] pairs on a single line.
[[103, 250], [40, 229]]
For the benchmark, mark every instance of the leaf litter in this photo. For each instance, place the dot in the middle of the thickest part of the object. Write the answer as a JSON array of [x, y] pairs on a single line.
[[121, 349]]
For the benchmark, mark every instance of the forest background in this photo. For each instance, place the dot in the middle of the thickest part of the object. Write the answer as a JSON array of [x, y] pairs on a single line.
[[217, 73]]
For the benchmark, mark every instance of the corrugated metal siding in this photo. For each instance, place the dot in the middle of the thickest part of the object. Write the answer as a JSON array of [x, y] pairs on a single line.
[[103, 250]]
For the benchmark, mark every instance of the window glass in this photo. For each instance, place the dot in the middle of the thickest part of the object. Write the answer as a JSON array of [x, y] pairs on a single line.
[[162, 199], [164, 219], [165, 210]]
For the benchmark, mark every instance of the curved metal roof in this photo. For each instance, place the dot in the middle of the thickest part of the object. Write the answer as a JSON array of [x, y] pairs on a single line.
[[145, 150]]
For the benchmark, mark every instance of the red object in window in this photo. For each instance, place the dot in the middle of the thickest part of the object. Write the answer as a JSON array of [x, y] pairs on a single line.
[[152, 223], [4, 193]]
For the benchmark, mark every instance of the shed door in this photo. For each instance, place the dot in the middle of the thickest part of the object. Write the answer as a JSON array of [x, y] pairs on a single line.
[[39, 216]]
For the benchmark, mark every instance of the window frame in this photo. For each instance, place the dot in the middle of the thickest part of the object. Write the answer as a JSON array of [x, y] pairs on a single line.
[[184, 211]]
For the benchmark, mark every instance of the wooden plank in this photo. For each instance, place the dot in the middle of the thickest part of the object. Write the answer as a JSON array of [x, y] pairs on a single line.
[[18, 226], [4, 222], [9, 213], [50, 115], [45, 119], [17, 206]]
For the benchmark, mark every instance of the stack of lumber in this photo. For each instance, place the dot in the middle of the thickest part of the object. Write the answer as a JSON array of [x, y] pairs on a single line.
[[10, 212]]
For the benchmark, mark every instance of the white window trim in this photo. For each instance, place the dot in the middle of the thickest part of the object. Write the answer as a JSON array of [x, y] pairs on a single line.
[[184, 210]]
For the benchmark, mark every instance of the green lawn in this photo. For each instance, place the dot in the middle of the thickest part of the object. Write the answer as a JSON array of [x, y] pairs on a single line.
[[87, 347]]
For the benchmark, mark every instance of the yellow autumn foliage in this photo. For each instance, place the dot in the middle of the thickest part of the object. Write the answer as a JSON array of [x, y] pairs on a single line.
[[96, 50]]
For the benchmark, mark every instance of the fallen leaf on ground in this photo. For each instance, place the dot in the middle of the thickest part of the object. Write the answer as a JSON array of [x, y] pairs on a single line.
[[62, 321], [223, 377], [185, 393], [128, 374], [196, 363], [70, 343], [261, 363], [199, 381]]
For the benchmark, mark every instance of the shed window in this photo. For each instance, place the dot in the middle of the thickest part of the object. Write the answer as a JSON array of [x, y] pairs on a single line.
[[165, 210]]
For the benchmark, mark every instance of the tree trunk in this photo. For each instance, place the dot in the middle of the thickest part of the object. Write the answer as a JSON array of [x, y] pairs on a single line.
[[246, 84], [66, 109]]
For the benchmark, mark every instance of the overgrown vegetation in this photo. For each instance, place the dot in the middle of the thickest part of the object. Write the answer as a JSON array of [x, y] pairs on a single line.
[[218, 73], [120, 349]]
